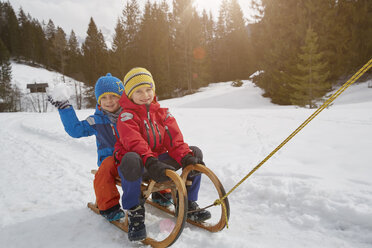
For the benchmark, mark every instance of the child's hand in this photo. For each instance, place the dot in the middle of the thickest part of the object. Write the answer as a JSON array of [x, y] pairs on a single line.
[[190, 160], [59, 104], [156, 169]]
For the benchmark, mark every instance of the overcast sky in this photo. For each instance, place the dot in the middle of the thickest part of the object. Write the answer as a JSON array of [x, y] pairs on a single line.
[[72, 14]]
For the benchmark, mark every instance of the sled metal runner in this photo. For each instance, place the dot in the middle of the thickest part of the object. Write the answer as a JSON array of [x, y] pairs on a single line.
[[177, 184]]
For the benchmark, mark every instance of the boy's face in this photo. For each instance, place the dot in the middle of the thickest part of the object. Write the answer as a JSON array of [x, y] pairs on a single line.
[[143, 95], [110, 103]]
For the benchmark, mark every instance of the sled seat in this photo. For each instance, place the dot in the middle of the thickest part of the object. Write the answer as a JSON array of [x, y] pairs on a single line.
[[150, 186]]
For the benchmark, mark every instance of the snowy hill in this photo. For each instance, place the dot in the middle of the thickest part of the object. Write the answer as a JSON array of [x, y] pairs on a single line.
[[23, 74], [223, 95], [315, 192]]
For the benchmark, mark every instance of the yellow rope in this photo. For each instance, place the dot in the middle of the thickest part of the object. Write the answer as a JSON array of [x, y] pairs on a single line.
[[352, 80]]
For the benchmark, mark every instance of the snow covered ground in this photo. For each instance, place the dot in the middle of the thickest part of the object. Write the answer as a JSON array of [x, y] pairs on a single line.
[[315, 192]]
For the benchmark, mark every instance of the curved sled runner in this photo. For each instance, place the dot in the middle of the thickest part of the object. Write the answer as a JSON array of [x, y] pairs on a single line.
[[221, 223], [222, 218], [177, 184]]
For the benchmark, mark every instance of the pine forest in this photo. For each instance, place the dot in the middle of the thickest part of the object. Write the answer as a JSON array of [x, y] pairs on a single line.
[[299, 49]]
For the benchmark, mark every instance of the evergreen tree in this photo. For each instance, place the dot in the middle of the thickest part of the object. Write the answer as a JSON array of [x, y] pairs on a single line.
[[232, 44], [9, 28], [358, 23], [279, 35], [211, 43], [343, 33], [153, 45], [222, 19], [131, 23], [73, 44], [237, 42], [162, 51], [222, 59], [39, 43], [332, 35], [311, 81], [94, 57], [147, 37], [118, 50], [50, 32], [204, 51], [32, 39], [5, 79], [200, 67], [208, 28], [25, 34], [73, 68], [60, 49], [183, 35]]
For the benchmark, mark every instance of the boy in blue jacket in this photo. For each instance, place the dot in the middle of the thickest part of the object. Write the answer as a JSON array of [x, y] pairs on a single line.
[[102, 124]]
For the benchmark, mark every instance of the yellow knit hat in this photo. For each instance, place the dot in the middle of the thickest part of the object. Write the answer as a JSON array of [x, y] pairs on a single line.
[[137, 78]]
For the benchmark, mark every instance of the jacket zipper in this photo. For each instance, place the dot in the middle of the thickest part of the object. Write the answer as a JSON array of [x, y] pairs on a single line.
[[114, 132], [157, 128], [170, 136], [147, 131], [152, 127]]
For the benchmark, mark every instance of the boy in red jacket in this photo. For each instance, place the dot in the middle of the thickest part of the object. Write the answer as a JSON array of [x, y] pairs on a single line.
[[150, 142]]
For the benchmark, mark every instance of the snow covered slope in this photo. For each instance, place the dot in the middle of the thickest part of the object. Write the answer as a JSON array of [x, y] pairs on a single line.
[[223, 95], [315, 192], [23, 74]]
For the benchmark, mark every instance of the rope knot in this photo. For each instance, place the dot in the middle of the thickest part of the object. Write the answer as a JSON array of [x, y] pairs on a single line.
[[217, 202]]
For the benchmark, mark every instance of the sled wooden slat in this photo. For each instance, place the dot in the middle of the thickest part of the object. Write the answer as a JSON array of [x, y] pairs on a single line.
[[122, 225]]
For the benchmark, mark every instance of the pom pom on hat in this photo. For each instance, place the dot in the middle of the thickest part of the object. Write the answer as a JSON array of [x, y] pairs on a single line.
[[108, 85], [137, 78]]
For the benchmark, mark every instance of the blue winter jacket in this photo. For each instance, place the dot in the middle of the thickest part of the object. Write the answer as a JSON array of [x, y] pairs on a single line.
[[97, 124]]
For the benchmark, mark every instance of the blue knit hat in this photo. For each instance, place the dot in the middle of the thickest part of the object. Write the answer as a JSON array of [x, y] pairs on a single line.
[[108, 85]]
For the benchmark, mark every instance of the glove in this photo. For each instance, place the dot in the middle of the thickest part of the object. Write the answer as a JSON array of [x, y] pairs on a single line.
[[59, 104], [156, 169], [190, 160]]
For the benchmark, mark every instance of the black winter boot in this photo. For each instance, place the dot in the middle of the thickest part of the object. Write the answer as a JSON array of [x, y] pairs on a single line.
[[198, 215], [163, 199], [137, 228]]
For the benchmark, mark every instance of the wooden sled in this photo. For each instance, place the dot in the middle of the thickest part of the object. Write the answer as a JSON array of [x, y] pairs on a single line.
[[179, 212]]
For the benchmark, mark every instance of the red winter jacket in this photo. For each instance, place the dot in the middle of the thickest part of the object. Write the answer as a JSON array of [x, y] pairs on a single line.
[[149, 131]]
